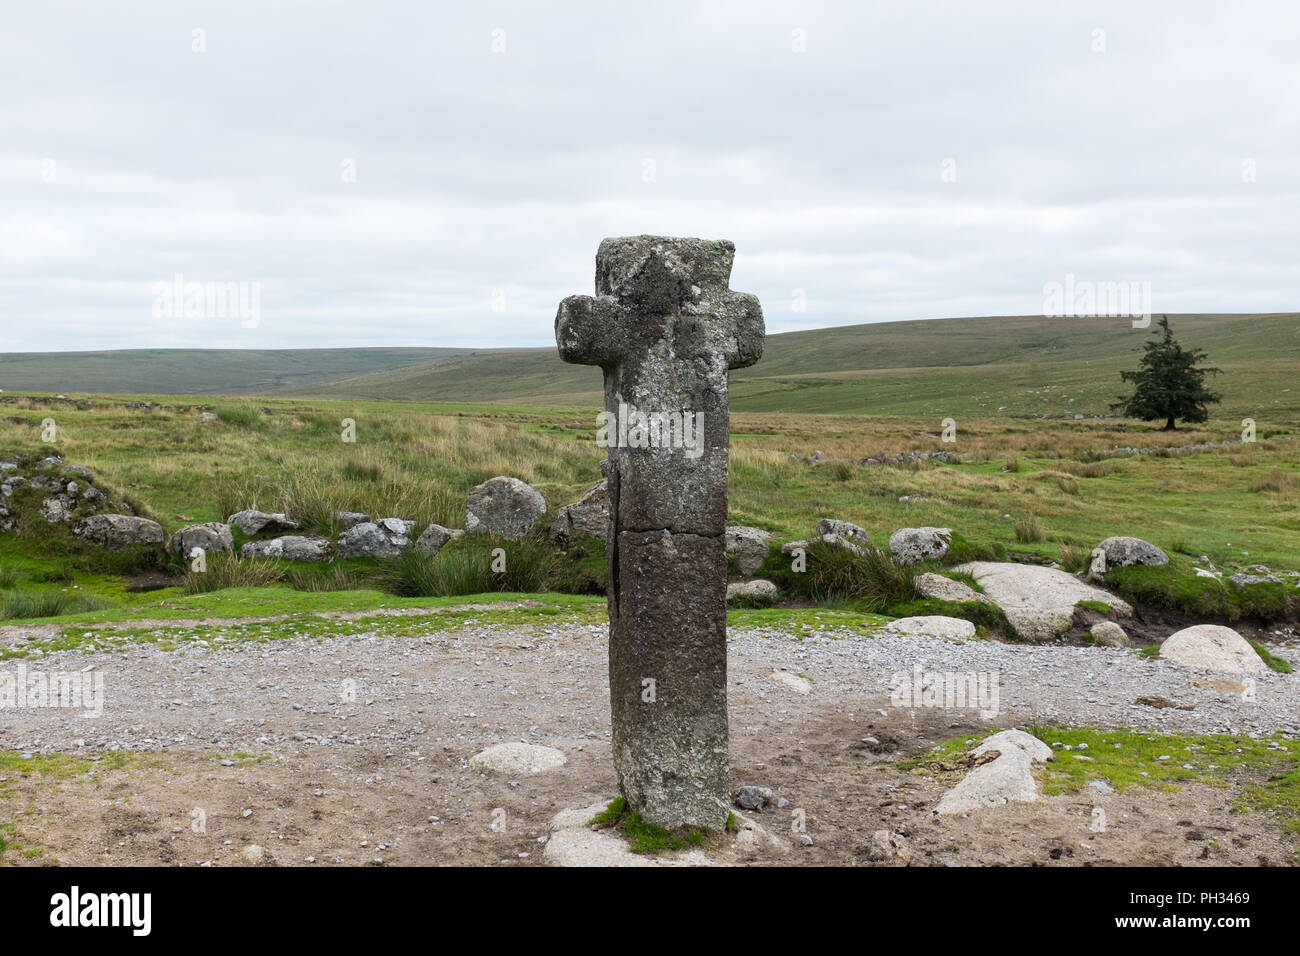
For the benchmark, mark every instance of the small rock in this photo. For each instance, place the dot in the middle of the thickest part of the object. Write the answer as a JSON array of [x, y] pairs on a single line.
[[752, 798]]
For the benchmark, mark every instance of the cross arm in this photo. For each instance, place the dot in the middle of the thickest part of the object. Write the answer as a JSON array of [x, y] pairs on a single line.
[[589, 329], [743, 340]]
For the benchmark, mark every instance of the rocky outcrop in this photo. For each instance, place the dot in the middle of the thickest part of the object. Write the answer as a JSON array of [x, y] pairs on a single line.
[[942, 588], [506, 507], [210, 536], [910, 545], [69, 495], [588, 515], [518, 759], [385, 538], [435, 537], [954, 629], [747, 547], [251, 522], [845, 529], [349, 519], [1108, 634], [1007, 778], [907, 458], [115, 532], [1212, 647], [291, 547], [758, 591], [1038, 602], [1120, 552]]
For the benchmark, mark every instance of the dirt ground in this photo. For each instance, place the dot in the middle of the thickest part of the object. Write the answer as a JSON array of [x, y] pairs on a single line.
[[250, 747], [374, 809]]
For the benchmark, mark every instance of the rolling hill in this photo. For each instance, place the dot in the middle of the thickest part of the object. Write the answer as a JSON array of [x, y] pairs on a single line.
[[200, 371], [1015, 365], [1003, 365]]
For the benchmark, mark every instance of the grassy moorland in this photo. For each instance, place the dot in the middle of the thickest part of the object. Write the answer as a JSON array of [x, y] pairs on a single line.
[[1031, 366], [202, 371], [1032, 479], [1020, 366], [1240, 503]]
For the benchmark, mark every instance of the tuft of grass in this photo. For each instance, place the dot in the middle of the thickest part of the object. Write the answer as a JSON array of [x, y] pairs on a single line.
[[1074, 558], [46, 603], [1276, 482], [871, 581], [360, 471], [9, 578], [452, 571], [479, 564], [329, 578], [840, 471], [961, 550], [1068, 484], [1029, 530], [233, 571], [964, 578], [1275, 664], [241, 416], [611, 814]]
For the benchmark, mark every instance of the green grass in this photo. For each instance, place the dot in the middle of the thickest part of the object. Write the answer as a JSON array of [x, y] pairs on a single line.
[[803, 621], [280, 600], [871, 581], [474, 564], [1127, 759], [648, 838], [849, 392], [1101, 607], [264, 614], [1029, 529], [1276, 664], [241, 416], [201, 371], [1175, 587], [228, 571], [255, 615], [32, 604], [962, 368], [956, 367], [430, 455]]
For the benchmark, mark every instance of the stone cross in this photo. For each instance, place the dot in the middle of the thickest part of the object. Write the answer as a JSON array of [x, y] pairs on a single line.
[[665, 329]]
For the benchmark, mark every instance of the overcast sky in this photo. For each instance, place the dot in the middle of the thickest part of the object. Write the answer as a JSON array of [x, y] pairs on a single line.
[[891, 160]]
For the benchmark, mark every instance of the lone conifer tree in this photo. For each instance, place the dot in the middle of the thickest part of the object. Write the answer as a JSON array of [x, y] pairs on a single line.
[[1168, 383]]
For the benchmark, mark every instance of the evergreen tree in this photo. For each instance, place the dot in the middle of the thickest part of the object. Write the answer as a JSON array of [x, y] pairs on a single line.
[[1167, 383]]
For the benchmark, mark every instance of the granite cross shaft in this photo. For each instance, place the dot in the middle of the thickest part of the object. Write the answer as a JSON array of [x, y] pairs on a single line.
[[666, 329]]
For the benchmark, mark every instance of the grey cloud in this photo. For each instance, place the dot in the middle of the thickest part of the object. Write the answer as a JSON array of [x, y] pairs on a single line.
[[479, 172]]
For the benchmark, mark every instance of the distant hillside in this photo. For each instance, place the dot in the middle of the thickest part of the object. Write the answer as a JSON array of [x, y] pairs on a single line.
[[1016, 364], [1008, 365], [200, 371]]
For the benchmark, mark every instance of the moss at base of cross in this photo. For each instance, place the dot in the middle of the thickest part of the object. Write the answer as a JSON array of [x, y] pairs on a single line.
[[649, 838]]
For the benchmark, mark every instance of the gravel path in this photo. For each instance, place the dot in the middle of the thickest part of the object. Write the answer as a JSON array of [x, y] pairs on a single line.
[[548, 685]]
